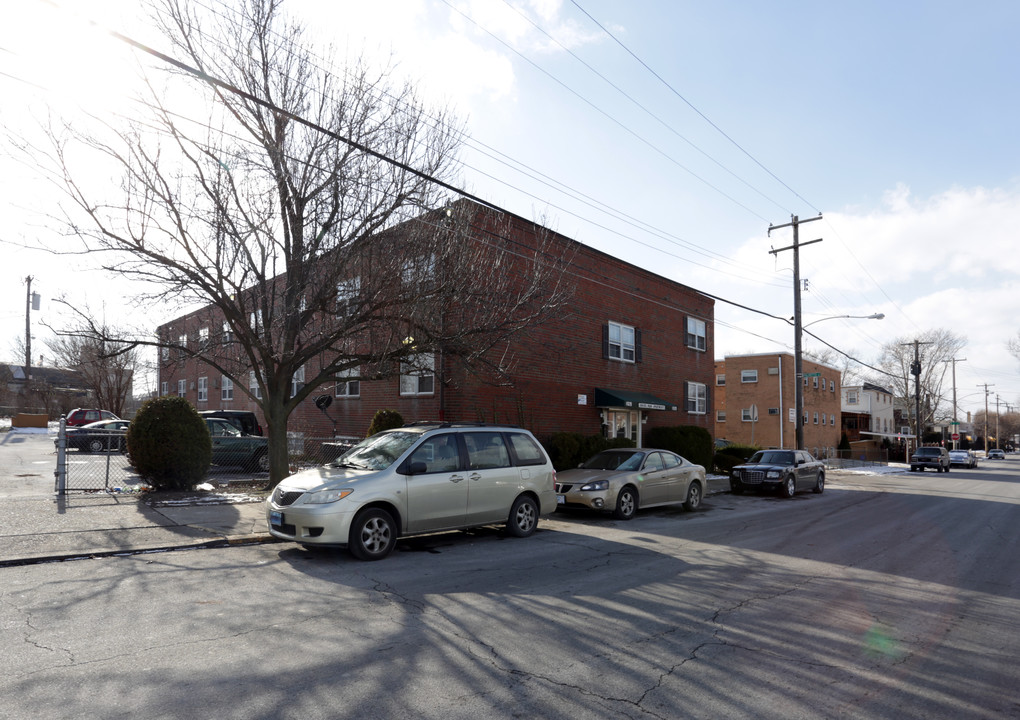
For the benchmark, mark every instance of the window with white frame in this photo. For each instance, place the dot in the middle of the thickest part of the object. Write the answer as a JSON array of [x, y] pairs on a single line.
[[720, 379], [165, 353], [182, 388], [823, 418], [253, 385], [814, 383], [720, 416], [203, 389], [696, 337], [621, 342], [745, 415], [226, 388], [347, 293], [228, 334], [816, 418], [182, 340], [851, 397], [417, 269], [418, 375], [832, 386], [297, 381], [347, 384], [697, 398], [832, 419], [164, 388], [748, 376], [203, 338]]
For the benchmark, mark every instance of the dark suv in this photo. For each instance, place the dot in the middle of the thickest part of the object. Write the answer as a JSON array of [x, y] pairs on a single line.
[[244, 420], [935, 457]]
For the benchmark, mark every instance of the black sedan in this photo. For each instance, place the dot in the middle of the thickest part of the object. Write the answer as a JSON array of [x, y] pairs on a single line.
[[785, 471], [98, 436]]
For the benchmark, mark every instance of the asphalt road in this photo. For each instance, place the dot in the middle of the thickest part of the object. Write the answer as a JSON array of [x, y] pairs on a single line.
[[885, 597]]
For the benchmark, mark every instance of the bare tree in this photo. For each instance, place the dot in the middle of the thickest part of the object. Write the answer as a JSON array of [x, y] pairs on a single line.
[[304, 212], [1013, 345], [106, 367], [935, 348]]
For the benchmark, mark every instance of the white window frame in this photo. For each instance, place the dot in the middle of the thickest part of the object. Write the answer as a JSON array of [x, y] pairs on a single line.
[[203, 389], [720, 416], [226, 388], [253, 386], [164, 388], [814, 382], [832, 386], [816, 417], [182, 388], [228, 335], [624, 339], [297, 381], [832, 420], [720, 380], [697, 398], [851, 397], [203, 338], [696, 337], [182, 340], [745, 415], [347, 293], [748, 376], [165, 353], [345, 386], [418, 376]]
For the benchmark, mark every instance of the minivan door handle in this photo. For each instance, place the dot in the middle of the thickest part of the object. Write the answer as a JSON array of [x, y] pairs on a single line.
[[456, 478], [476, 476]]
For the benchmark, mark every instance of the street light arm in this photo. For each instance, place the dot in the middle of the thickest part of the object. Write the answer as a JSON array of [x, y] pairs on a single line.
[[873, 316]]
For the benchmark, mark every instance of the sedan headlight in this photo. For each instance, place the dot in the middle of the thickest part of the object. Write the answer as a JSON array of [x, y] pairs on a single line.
[[774, 474], [326, 496], [595, 486]]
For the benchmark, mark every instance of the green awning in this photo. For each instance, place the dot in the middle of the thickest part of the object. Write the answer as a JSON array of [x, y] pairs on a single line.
[[630, 400]]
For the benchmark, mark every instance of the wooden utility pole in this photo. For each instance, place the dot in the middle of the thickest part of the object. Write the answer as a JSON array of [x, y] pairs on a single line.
[[798, 362]]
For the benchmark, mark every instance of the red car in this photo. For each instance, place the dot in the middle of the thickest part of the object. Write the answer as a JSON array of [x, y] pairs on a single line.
[[84, 416]]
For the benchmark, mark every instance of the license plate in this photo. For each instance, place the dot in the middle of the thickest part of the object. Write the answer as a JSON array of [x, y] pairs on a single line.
[[561, 500], [275, 517]]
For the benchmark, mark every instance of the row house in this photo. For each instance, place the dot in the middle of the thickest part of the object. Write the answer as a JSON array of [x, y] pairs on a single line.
[[756, 401], [630, 351], [868, 413]]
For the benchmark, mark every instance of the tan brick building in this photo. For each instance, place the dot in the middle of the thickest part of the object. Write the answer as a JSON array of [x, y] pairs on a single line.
[[765, 382]]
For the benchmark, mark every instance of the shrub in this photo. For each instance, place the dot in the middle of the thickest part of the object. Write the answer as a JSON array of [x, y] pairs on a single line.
[[384, 420], [694, 443], [568, 450], [732, 455], [169, 444]]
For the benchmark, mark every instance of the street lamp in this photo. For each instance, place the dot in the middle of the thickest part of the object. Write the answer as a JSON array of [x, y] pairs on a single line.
[[798, 366]]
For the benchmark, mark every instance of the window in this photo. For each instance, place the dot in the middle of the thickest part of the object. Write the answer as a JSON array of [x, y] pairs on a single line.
[[297, 381], [182, 388], [851, 397], [347, 293], [832, 386], [486, 450], [832, 419], [720, 379], [697, 398], [720, 416], [745, 415], [816, 418], [823, 418], [418, 375], [418, 269], [182, 340], [814, 383], [164, 388], [203, 389], [525, 450], [165, 353], [226, 388], [203, 338], [255, 321], [773, 411], [228, 335], [438, 454], [622, 342], [748, 376], [345, 386], [696, 337], [253, 385]]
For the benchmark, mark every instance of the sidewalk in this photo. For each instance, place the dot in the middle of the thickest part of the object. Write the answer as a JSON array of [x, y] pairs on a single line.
[[47, 528]]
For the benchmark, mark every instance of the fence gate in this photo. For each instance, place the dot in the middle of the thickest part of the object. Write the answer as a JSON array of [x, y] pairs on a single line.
[[93, 461]]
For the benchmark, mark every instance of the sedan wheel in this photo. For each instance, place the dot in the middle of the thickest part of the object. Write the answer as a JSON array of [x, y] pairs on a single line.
[[95, 445], [693, 497], [789, 488], [626, 504], [373, 535], [819, 483]]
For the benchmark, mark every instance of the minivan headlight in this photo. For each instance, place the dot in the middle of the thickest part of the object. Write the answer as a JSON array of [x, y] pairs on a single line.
[[326, 496], [595, 486]]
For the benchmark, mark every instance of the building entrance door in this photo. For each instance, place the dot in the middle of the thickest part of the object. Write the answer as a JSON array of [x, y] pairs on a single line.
[[623, 424]]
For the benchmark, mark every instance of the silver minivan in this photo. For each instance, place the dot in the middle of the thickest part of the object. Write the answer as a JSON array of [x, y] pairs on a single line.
[[420, 478]]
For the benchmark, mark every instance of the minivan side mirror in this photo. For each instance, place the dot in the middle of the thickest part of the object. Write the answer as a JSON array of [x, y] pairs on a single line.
[[418, 467]]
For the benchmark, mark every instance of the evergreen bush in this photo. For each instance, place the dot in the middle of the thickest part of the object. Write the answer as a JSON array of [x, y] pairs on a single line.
[[169, 444], [384, 420], [692, 442], [568, 450], [730, 456]]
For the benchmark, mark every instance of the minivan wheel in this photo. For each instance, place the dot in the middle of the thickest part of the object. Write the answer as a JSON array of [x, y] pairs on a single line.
[[626, 503], [373, 535], [789, 488], [523, 517], [693, 497]]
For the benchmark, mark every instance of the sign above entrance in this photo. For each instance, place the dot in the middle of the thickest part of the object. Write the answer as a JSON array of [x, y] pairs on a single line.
[[627, 399]]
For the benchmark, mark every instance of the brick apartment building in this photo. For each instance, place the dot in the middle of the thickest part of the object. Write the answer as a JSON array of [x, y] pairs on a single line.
[[633, 350], [766, 382]]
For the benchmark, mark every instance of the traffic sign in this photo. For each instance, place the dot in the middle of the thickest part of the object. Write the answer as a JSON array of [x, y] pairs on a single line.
[[955, 436], [817, 374]]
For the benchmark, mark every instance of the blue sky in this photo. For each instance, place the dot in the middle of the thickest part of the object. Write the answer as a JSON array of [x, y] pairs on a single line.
[[896, 120]]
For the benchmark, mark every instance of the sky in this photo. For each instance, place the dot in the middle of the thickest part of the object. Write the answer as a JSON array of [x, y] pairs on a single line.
[[668, 133]]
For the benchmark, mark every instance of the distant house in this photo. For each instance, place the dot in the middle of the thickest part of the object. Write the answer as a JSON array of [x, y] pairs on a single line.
[[52, 389], [868, 413], [756, 402]]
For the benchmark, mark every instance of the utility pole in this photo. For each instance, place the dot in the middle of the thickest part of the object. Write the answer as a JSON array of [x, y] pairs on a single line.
[[915, 370], [798, 362], [956, 420], [986, 386], [28, 334], [998, 443]]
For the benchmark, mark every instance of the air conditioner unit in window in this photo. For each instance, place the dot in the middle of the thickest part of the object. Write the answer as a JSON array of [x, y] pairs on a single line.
[[773, 411], [773, 371]]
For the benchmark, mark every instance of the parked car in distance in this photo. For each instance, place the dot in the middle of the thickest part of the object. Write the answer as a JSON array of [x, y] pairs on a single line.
[[930, 456], [245, 420], [232, 448], [84, 416], [97, 436], [622, 480], [963, 458], [785, 471], [420, 478], [996, 454]]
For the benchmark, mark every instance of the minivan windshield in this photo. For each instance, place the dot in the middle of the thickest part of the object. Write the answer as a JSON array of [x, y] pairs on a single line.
[[379, 451]]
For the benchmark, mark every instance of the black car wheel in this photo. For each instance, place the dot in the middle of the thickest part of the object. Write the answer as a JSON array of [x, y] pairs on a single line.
[[373, 535], [260, 463], [819, 483], [96, 445], [523, 517], [736, 488], [693, 497], [789, 487], [626, 503]]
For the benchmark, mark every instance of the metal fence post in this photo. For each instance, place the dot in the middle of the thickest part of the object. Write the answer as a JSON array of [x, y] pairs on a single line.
[[60, 474]]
